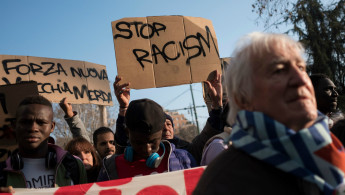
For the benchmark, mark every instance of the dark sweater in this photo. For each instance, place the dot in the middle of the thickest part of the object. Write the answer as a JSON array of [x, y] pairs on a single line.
[[235, 172]]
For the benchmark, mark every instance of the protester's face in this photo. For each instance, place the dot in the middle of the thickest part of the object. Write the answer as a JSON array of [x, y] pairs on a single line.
[[105, 144], [86, 157], [326, 96], [144, 145], [168, 131], [34, 124], [282, 89]]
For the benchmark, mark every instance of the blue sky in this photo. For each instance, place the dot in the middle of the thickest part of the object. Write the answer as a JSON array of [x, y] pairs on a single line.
[[81, 30]]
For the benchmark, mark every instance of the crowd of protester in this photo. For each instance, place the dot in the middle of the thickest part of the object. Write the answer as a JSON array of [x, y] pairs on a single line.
[[271, 135]]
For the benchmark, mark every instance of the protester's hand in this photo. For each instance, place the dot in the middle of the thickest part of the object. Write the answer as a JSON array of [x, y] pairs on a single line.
[[215, 90], [122, 93], [8, 189], [66, 107]]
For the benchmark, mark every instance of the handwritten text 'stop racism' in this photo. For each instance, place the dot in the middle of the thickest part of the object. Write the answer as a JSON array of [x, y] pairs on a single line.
[[141, 30]]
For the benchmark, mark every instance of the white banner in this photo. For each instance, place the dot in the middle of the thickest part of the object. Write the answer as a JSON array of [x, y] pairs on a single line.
[[172, 183]]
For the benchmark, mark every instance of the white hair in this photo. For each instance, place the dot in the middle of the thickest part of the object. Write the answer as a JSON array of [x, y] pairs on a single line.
[[238, 76]]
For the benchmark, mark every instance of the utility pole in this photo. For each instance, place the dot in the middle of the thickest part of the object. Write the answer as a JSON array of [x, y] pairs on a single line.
[[191, 113], [103, 115], [196, 116]]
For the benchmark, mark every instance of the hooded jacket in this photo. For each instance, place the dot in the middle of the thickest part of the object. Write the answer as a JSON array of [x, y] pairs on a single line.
[[67, 169]]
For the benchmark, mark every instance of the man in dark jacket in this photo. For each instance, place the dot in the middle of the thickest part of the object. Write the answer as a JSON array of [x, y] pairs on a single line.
[[280, 143], [325, 93], [148, 153], [168, 134], [38, 164], [213, 125], [326, 96]]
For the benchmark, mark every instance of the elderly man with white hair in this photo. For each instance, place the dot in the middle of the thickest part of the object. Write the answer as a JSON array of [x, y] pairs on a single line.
[[281, 144]]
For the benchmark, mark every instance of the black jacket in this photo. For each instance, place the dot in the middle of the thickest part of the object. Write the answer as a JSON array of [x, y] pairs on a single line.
[[235, 172]]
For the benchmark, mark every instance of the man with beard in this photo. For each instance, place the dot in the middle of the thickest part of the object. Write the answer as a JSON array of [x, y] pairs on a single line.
[[103, 141]]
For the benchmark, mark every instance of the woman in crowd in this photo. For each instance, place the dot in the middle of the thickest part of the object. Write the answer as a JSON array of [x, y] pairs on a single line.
[[86, 152]]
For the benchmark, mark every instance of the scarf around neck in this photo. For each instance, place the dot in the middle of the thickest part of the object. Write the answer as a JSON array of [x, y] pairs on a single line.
[[313, 153]]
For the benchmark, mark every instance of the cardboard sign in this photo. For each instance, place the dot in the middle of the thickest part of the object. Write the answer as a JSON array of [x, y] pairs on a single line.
[[172, 183], [10, 97], [159, 51], [207, 98], [79, 81]]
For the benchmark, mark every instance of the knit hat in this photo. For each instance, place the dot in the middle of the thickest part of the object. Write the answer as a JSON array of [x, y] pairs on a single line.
[[170, 118], [145, 115]]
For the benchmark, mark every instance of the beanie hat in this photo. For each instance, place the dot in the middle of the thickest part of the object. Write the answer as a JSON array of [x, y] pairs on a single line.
[[145, 115], [170, 118]]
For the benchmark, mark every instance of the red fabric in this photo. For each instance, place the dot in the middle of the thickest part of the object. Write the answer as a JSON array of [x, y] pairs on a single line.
[[157, 189], [110, 192], [76, 189], [116, 182], [333, 153], [191, 178], [127, 169]]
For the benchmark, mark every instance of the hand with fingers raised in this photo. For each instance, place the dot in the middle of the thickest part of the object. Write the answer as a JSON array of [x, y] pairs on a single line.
[[215, 90], [122, 93]]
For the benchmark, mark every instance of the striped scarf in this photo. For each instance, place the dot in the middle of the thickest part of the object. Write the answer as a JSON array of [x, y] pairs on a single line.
[[313, 153]]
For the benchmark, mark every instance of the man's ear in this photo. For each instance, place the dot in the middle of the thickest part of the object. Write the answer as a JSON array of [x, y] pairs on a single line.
[[53, 126], [243, 103]]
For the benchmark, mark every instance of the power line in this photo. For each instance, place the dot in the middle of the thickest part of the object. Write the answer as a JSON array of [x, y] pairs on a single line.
[[191, 108], [186, 108], [171, 101]]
